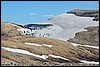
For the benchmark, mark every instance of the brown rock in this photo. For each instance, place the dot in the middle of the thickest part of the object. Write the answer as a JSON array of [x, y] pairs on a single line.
[[9, 29], [86, 13]]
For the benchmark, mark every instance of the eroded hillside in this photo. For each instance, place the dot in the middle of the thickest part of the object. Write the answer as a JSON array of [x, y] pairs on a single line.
[[9, 29], [45, 44], [60, 51]]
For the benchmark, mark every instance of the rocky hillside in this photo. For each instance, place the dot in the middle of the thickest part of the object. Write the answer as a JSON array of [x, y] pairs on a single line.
[[9, 29], [44, 43], [90, 37], [36, 51], [86, 13]]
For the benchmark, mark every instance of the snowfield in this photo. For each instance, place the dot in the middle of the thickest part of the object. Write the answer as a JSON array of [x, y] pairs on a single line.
[[70, 24], [64, 26]]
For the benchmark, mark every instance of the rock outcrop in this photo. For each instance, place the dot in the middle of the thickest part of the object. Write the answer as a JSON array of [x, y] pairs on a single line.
[[86, 13], [90, 37], [37, 26], [9, 29]]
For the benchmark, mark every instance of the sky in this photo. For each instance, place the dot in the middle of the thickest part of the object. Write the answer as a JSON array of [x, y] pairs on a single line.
[[26, 12]]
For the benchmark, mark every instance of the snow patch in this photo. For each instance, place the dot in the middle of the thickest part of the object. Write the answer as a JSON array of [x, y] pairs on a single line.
[[75, 44], [24, 52], [21, 29], [89, 62], [47, 45], [43, 56], [90, 46], [38, 44], [58, 57], [24, 30], [33, 44]]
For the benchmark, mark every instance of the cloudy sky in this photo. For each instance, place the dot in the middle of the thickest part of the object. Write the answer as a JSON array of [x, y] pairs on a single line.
[[24, 12]]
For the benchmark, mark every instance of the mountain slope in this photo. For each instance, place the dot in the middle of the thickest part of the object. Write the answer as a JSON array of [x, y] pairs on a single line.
[[44, 43], [90, 37], [9, 29], [60, 51]]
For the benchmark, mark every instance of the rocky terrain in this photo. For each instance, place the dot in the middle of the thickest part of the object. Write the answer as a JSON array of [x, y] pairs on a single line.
[[9, 29], [90, 37], [29, 45], [60, 52], [86, 13]]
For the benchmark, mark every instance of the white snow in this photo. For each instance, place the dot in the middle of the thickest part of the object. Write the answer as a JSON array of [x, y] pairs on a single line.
[[34, 44], [90, 46], [24, 30], [89, 62], [75, 44], [64, 26], [58, 57], [24, 52], [70, 24], [21, 29], [43, 56], [84, 61], [47, 45], [28, 53]]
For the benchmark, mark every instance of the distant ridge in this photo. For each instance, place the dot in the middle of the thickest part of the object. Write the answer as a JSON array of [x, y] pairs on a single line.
[[86, 13]]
